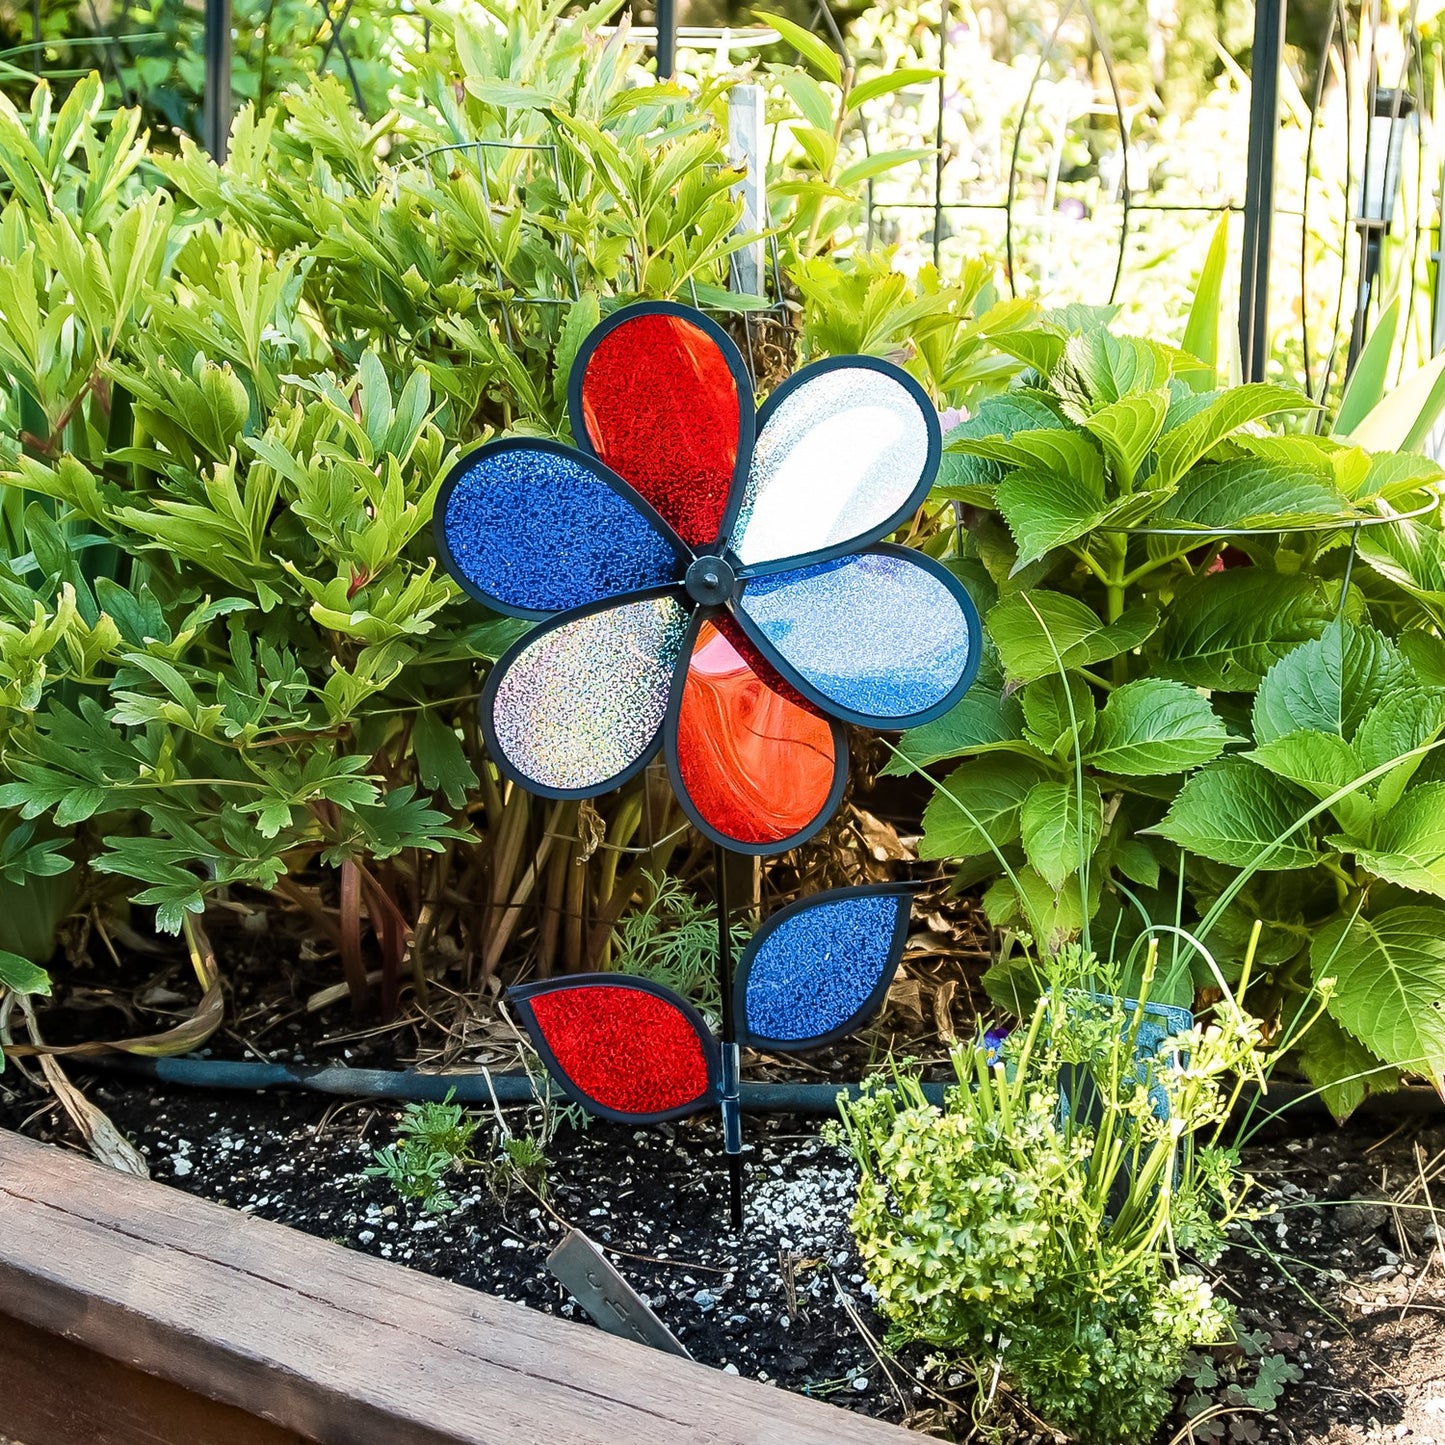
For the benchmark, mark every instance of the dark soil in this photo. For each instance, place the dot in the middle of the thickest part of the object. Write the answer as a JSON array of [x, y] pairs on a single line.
[[1339, 1286], [1335, 1285], [1346, 1278]]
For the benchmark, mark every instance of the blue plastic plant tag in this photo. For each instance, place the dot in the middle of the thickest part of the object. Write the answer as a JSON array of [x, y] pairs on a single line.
[[1160, 1022], [1078, 1092]]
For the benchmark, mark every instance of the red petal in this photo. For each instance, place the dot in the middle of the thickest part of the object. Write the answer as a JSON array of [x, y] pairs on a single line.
[[660, 405], [756, 766], [624, 1047]]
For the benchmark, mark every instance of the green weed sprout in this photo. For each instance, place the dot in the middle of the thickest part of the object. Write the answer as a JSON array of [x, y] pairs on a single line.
[[434, 1141]]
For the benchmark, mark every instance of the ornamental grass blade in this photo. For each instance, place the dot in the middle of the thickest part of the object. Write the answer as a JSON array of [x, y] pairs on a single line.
[[102, 1138], [1201, 331]]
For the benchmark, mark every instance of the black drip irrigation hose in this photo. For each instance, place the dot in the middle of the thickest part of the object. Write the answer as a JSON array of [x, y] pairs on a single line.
[[478, 1087], [1293, 1102]]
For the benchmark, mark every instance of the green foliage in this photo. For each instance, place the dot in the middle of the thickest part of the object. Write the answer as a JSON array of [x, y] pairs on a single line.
[[672, 940], [228, 395], [1249, 1379], [1193, 688], [37, 888], [433, 1142], [1026, 1231], [151, 52], [948, 336], [19, 975]]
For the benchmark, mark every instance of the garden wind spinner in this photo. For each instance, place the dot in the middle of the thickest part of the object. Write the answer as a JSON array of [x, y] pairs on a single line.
[[713, 582]]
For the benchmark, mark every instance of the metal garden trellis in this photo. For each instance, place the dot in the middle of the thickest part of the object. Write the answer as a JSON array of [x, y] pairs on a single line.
[[1385, 98], [1258, 208]]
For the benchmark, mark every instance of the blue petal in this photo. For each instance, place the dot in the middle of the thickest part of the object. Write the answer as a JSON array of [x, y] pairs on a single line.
[[879, 638], [820, 968], [531, 528]]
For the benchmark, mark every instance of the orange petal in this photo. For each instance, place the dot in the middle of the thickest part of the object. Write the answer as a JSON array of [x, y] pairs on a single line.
[[756, 768]]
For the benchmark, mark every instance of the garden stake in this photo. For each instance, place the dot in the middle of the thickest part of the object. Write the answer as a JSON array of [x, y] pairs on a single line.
[[732, 1118]]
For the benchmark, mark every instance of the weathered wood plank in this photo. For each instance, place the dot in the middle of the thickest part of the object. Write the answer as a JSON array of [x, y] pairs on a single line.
[[54, 1391], [341, 1348]]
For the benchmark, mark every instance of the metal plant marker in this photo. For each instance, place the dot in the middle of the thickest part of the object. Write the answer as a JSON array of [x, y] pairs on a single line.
[[711, 582], [612, 1304]]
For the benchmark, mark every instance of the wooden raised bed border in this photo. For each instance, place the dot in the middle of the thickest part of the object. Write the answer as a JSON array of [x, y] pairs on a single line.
[[134, 1314]]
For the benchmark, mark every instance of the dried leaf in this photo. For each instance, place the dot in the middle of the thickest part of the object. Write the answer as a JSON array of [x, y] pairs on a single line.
[[102, 1138], [591, 830], [183, 1039], [906, 995], [943, 1010], [880, 838]]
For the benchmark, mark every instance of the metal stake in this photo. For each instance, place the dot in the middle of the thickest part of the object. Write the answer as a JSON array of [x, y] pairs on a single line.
[[937, 141], [1268, 57], [666, 38], [731, 1109], [216, 108], [745, 152]]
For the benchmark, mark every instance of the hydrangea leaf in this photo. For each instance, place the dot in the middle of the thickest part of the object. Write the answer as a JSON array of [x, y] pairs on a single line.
[[1408, 843], [989, 793], [1321, 764], [1342, 1068], [1180, 448], [1389, 975], [1227, 630], [1233, 813], [1034, 631], [1328, 684], [1407, 719], [1053, 712], [1153, 727], [1058, 835], [1128, 428]]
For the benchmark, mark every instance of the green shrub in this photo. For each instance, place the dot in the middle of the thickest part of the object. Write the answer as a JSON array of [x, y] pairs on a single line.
[[671, 939], [1211, 675], [227, 397], [151, 52], [1023, 1229]]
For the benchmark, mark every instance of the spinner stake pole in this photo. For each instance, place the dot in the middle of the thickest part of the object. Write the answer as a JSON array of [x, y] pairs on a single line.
[[732, 1116]]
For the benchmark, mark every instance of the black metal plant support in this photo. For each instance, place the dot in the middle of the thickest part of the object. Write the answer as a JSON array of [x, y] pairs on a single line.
[[732, 1119], [216, 106], [666, 38], [1268, 57]]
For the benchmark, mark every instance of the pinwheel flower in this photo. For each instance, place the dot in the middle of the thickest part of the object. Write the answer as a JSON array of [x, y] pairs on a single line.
[[631, 1050], [710, 581]]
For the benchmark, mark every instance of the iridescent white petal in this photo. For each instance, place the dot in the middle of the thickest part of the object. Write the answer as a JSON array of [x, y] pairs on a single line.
[[581, 702], [839, 457]]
